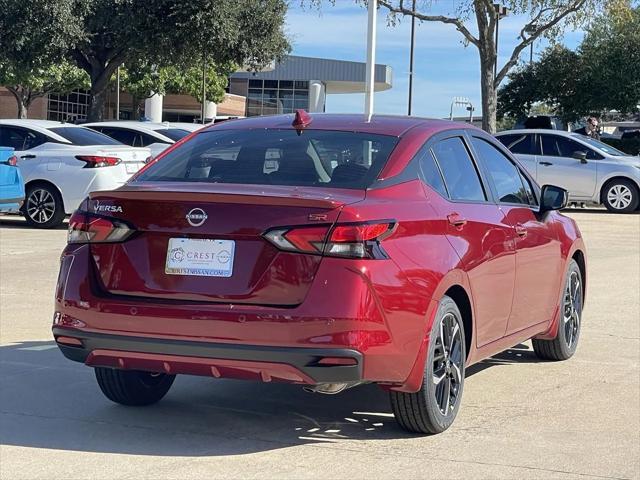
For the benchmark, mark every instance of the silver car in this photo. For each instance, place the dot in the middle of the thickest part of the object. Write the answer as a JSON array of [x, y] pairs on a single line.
[[593, 172]]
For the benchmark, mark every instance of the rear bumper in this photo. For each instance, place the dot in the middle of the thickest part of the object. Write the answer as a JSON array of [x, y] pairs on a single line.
[[265, 363]]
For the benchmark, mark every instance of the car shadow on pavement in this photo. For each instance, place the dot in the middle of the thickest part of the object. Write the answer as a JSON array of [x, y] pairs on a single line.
[[49, 402], [18, 222]]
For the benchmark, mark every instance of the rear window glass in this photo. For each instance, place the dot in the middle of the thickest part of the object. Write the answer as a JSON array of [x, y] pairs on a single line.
[[174, 134], [84, 136], [276, 157]]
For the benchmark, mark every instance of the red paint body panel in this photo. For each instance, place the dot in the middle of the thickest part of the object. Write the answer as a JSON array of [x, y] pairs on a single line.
[[381, 308]]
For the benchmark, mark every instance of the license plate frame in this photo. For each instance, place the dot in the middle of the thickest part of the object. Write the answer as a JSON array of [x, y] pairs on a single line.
[[200, 257]]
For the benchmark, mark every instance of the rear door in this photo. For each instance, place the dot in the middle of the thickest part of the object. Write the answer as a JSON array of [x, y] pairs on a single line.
[[557, 166], [23, 141], [538, 255], [479, 233], [526, 147]]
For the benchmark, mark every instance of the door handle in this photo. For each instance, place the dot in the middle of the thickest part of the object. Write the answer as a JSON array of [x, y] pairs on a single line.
[[546, 164], [456, 220], [521, 230], [30, 155]]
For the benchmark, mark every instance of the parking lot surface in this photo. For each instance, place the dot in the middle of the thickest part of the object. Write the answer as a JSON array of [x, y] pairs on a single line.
[[520, 418]]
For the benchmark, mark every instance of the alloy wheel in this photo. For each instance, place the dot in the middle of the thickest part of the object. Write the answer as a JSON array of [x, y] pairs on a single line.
[[619, 196], [447, 364], [41, 205], [572, 309]]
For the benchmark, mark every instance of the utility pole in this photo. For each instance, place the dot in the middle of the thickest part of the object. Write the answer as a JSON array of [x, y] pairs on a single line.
[[413, 40], [371, 58], [204, 88], [118, 93], [501, 12]]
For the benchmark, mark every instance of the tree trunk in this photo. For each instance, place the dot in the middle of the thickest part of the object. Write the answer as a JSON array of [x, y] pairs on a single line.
[[489, 96], [95, 112], [23, 100]]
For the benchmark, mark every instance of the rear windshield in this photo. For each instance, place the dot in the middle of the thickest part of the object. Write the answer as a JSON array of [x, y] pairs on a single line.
[[84, 136], [174, 134], [276, 157]]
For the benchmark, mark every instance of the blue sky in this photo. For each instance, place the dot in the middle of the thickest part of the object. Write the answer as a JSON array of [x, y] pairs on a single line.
[[444, 67]]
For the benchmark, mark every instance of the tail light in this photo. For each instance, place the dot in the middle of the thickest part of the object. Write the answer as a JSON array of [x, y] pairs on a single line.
[[361, 240], [86, 227], [12, 161], [97, 161]]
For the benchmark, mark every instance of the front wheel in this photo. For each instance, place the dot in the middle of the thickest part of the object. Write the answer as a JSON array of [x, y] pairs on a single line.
[[133, 387], [621, 196], [434, 407], [564, 345]]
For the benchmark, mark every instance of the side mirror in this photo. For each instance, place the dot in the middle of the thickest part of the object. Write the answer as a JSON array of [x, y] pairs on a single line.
[[582, 156], [553, 198]]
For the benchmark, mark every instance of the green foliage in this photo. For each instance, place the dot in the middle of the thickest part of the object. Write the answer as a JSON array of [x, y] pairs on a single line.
[[627, 145], [245, 32], [602, 74]]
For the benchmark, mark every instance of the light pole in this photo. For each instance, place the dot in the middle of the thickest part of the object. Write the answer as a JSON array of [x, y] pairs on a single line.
[[529, 30], [413, 40], [371, 58], [204, 87], [118, 93], [501, 12]]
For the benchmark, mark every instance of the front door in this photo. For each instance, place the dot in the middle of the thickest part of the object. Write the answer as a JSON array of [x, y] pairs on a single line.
[[537, 248], [557, 166]]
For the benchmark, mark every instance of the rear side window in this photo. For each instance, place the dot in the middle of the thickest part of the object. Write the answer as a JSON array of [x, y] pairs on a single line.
[[505, 175], [127, 137], [84, 136], [523, 144], [20, 138], [460, 174], [277, 157], [174, 134], [431, 172]]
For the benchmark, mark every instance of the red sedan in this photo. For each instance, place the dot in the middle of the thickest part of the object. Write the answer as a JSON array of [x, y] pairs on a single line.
[[323, 250]]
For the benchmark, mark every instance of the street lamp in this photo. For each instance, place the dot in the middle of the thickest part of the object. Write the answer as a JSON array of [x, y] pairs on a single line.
[[413, 40], [529, 29], [501, 12]]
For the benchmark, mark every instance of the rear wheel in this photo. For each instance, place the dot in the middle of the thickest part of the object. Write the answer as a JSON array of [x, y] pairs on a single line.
[[43, 206], [434, 407], [132, 387], [564, 345], [620, 196]]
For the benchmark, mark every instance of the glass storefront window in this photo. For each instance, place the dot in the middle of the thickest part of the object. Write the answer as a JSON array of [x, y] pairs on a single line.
[[270, 97]]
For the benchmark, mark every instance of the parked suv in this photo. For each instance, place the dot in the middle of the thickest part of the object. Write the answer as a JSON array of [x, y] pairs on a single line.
[[590, 170], [327, 251]]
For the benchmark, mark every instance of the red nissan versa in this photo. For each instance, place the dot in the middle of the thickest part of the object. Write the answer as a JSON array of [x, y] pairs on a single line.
[[323, 250]]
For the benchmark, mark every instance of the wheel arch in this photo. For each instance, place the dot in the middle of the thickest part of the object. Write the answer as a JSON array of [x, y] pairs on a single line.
[[39, 181], [609, 180], [459, 295]]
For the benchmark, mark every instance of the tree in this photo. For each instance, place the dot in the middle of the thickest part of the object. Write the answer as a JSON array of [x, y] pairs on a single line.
[[546, 18], [27, 85], [143, 79], [130, 31], [35, 34], [603, 74]]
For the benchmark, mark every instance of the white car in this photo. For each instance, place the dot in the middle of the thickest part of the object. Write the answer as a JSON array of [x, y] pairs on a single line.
[[155, 136], [62, 163], [591, 171]]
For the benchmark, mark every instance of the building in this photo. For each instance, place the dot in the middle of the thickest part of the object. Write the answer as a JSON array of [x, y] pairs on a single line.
[[296, 82]]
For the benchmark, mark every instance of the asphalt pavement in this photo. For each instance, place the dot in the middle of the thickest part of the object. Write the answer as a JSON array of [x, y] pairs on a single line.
[[520, 417]]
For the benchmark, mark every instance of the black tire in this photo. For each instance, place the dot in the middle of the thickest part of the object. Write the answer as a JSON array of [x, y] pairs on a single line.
[[421, 412], [621, 196], [132, 387], [43, 206], [570, 319]]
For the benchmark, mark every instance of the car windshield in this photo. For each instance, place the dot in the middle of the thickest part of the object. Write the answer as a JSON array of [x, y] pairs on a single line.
[[84, 136], [174, 134], [277, 157], [603, 147]]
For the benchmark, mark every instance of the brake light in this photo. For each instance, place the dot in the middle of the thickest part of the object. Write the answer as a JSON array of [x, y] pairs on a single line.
[[12, 161], [97, 161], [86, 227], [360, 240]]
